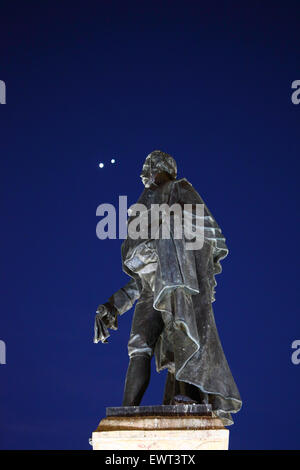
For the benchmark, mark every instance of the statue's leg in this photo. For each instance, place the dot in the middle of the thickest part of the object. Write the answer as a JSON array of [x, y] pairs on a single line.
[[147, 325], [169, 391], [137, 380]]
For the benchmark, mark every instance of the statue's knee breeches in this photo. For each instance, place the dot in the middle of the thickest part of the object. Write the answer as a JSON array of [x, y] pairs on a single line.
[[147, 325]]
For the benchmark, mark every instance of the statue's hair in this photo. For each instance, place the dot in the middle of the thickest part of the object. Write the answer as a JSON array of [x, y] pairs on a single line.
[[164, 162]]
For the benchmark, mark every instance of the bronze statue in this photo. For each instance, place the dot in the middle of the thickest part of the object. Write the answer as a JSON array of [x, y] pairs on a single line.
[[174, 288]]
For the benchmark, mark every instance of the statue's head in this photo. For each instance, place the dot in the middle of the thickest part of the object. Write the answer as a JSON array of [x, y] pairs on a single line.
[[158, 167]]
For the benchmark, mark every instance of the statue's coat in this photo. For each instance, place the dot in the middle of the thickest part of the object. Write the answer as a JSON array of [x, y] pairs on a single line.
[[189, 346]]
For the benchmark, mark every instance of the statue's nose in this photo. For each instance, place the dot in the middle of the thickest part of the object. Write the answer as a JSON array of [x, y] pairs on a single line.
[[144, 173]]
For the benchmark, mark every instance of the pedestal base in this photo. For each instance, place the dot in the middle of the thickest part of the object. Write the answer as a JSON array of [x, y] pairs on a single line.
[[160, 433]]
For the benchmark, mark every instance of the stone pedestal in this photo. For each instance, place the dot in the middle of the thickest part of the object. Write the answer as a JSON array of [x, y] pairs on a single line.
[[164, 431]]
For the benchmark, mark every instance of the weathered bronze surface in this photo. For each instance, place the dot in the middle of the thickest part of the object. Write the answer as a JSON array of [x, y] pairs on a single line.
[[173, 318]]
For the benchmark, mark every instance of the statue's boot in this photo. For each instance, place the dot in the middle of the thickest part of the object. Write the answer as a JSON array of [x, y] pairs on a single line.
[[137, 380]]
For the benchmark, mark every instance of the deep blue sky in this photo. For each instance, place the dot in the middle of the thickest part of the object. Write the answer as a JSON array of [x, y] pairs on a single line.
[[209, 83]]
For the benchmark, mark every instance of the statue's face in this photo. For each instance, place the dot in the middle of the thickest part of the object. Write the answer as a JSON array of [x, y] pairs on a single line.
[[158, 168], [149, 171]]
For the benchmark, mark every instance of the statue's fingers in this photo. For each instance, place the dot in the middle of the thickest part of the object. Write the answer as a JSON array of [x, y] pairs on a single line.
[[97, 329]]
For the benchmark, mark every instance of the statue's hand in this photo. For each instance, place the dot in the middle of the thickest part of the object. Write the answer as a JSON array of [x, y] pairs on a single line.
[[107, 313]]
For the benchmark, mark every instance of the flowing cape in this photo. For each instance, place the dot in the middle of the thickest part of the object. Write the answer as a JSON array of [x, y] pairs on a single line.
[[189, 346]]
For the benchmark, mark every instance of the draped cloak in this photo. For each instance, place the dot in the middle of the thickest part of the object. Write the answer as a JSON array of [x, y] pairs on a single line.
[[189, 345]]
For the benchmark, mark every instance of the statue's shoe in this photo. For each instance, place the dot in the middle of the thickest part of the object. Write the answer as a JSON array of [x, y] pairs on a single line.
[[183, 400]]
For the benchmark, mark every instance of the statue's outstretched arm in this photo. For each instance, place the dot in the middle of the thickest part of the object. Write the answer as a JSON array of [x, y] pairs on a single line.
[[125, 297]]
